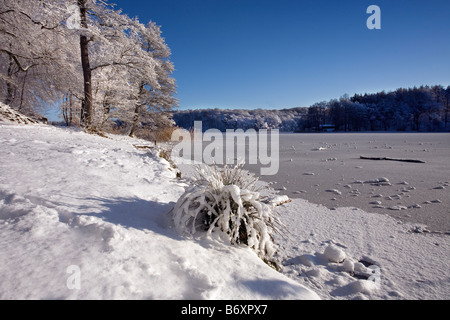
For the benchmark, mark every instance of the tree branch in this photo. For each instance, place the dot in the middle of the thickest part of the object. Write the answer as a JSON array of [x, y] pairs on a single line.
[[16, 60], [8, 33], [109, 64], [7, 11], [38, 22], [43, 26]]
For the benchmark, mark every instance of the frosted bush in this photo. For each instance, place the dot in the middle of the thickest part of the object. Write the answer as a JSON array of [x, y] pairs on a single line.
[[227, 201]]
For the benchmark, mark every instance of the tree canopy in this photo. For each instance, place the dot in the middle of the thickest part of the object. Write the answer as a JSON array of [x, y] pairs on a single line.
[[97, 64]]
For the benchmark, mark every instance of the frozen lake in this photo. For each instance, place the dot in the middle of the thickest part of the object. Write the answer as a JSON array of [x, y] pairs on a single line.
[[326, 168]]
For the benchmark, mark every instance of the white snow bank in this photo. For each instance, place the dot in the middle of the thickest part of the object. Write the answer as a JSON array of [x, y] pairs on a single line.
[[84, 217]]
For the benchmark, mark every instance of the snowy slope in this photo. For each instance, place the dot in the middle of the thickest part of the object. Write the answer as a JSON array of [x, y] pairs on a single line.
[[84, 217]]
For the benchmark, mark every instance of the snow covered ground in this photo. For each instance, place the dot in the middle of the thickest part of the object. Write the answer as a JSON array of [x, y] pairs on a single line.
[[85, 217]]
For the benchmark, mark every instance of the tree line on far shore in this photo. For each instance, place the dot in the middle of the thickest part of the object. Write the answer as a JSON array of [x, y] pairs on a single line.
[[424, 108]]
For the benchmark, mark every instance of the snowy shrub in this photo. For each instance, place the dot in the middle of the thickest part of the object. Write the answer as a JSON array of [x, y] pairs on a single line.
[[227, 201]]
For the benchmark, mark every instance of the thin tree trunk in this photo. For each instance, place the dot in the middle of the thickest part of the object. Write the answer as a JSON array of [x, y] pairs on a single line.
[[9, 86], [86, 107], [67, 109], [23, 90], [70, 110]]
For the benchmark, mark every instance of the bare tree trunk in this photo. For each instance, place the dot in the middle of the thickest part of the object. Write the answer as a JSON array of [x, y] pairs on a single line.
[[23, 90], [137, 112], [67, 109], [135, 120], [86, 107]]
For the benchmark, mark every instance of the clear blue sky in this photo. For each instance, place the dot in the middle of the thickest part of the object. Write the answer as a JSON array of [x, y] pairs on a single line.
[[289, 53]]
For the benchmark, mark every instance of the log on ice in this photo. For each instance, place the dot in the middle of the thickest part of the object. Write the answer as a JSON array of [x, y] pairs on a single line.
[[392, 159]]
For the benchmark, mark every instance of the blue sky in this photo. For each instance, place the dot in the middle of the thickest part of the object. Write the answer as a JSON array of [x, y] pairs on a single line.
[[289, 53]]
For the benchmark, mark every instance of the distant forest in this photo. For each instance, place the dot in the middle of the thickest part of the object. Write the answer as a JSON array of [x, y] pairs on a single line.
[[424, 108]]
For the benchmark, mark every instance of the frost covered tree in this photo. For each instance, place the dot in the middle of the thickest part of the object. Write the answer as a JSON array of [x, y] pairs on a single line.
[[155, 95], [128, 63], [36, 53], [93, 60], [101, 30], [286, 120], [87, 103]]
